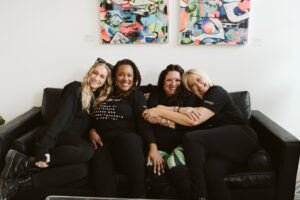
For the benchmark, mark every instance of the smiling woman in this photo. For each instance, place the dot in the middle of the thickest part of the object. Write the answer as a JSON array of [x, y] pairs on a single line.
[[61, 147], [117, 126]]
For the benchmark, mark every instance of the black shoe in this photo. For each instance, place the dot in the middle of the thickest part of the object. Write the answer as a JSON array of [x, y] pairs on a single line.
[[8, 188], [159, 187], [180, 178], [17, 165]]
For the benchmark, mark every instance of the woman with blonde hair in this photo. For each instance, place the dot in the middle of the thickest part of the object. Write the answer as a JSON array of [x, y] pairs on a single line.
[[61, 150], [221, 141]]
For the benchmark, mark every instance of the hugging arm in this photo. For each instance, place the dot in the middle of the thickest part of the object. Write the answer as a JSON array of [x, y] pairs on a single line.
[[179, 118]]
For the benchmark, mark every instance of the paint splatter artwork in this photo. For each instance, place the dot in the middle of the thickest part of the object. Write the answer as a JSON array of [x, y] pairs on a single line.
[[214, 21], [134, 21]]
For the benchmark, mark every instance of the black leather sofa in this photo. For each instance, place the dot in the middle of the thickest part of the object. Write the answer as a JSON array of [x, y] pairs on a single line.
[[269, 175]]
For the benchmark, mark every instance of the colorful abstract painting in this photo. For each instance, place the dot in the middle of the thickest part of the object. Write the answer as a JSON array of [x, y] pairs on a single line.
[[134, 21], [214, 21]]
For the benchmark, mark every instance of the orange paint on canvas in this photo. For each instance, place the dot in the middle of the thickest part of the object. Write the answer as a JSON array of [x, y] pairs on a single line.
[[105, 35], [184, 20]]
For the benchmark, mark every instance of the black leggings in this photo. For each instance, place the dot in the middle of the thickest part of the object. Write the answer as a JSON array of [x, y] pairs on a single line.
[[67, 162], [224, 147], [124, 154]]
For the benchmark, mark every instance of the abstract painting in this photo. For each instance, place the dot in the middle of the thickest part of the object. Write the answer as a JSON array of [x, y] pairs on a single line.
[[214, 21], [134, 21]]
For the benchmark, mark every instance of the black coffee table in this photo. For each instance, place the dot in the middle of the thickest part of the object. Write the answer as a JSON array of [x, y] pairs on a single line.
[[56, 197]]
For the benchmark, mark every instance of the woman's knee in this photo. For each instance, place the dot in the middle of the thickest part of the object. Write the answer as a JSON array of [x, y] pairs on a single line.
[[189, 138], [130, 140]]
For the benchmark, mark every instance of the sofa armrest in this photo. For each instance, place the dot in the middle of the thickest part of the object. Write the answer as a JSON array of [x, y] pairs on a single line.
[[16, 128], [284, 149], [25, 143]]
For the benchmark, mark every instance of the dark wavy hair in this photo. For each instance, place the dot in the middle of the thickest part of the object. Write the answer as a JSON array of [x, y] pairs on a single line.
[[136, 76], [180, 94]]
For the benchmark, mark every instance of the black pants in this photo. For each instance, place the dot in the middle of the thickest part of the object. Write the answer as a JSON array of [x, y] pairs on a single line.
[[124, 154], [224, 147], [67, 162]]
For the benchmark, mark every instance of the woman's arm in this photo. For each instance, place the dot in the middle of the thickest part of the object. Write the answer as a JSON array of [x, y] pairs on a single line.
[[65, 112], [178, 117], [161, 121]]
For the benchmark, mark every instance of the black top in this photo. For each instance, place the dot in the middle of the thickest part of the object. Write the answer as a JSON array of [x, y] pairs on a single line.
[[166, 138], [68, 118], [122, 115], [218, 100]]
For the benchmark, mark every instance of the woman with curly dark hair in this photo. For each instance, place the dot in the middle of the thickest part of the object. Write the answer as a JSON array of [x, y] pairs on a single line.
[[170, 95], [117, 127]]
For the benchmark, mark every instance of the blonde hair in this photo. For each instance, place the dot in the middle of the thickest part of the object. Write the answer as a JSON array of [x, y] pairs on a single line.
[[185, 75], [87, 93]]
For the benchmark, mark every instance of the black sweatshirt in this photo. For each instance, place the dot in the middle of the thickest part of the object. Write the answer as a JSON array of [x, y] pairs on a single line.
[[166, 138], [117, 116], [68, 118]]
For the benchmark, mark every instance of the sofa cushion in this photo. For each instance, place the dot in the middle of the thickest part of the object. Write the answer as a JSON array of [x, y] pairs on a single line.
[[242, 100]]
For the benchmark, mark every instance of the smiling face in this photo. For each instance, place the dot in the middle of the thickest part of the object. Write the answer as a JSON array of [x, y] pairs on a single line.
[[97, 77], [124, 78], [172, 82], [199, 85]]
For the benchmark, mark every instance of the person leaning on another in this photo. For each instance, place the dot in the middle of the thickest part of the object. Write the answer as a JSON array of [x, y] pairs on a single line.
[[62, 151], [222, 136]]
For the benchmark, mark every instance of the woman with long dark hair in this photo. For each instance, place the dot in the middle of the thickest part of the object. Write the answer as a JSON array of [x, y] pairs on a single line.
[[170, 95], [116, 135]]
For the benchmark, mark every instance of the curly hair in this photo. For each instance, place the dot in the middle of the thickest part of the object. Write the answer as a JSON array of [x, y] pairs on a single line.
[[136, 76]]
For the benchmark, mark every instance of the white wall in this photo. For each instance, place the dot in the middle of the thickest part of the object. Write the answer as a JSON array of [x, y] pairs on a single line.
[[50, 43]]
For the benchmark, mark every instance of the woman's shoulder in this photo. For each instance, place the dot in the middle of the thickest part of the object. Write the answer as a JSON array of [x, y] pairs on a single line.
[[74, 86], [136, 93], [217, 88], [217, 91]]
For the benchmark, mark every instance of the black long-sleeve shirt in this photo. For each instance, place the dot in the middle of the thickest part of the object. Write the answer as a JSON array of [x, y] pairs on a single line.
[[68, 118], [166, 138], [121, 115]]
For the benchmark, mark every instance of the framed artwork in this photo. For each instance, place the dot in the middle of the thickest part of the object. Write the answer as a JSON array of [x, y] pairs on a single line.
[[214, 21], [134, 21]]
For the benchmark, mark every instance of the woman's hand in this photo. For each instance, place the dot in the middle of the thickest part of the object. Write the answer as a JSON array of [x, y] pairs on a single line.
[[192, 113], [157, 160], [42, 164], [95, 138], [154, 120], [149, 113]]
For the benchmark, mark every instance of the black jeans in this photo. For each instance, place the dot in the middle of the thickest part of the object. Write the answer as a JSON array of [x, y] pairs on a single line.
[[124, 154], [212, 153], [67, 162]]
